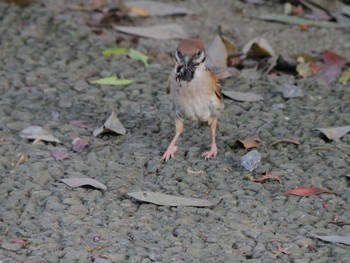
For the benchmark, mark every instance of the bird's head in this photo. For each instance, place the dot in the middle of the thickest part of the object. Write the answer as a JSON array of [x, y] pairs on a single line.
[[189, 55]]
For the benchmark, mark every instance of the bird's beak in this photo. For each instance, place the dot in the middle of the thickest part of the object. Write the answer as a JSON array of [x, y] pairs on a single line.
[[186, 60]]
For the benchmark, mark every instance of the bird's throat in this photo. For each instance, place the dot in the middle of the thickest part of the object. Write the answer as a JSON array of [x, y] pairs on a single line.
[[185, 73]]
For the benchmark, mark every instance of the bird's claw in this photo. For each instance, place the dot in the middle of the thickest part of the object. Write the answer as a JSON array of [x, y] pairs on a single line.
[[169, 153], [212, 153]]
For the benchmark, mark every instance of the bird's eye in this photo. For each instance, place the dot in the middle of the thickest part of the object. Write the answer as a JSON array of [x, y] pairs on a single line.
[[199, 53]]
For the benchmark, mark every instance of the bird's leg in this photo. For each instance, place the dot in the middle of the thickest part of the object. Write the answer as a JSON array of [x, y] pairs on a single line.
[[213, 150], [179, 125]]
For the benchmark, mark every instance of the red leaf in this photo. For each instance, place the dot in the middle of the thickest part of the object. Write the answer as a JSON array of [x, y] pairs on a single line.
[[79, 144], [263, 178], [331, 58], [81, 124], [332, 68], [307, 191], [20, 242], [59, 155]]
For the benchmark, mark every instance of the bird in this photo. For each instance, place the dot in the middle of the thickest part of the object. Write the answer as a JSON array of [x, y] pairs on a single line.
[[195, 93]]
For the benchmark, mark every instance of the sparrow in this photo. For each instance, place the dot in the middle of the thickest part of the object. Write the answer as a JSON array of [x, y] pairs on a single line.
[[195, 93]]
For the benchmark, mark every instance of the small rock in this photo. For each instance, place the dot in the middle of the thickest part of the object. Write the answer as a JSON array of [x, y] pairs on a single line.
[[251, 160]]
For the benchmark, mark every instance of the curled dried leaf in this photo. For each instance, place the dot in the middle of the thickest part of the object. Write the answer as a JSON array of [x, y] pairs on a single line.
[[286, 140], [263, 178], [307, 191]]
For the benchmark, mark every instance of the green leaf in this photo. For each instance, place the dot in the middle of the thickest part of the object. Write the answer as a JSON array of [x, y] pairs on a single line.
[[112, 81], [294, 20], [115, 51], [344, 77], [137, 55]]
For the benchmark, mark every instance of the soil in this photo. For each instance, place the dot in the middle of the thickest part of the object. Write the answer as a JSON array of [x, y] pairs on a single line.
[[47, 55]]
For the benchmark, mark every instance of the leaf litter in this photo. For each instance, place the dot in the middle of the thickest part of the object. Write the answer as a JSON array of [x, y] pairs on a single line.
[[112, 124], [169, 200], [113, 80], [335, 239], [37, 133], [307, 191], [154, 8], [79, 144], [296, 142], [78, 182], [335, 133], [160, 32], [263, 178]]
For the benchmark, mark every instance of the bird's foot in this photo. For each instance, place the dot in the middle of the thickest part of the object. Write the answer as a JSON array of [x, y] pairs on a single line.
[[213, 152], [169, 152]]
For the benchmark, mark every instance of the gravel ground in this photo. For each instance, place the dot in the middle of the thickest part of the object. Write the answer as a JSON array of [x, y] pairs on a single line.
[[47, 52]]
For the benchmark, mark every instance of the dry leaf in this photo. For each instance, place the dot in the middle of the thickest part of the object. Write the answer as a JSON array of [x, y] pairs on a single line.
[[335, 239], [38, 133], [81, 124], [169, 200], [286, 140], [20, 242], [263, 178], [305, 191], [138, 11], [291, 91], [153, 8], [60, 155], [167, 31], [112, 124], [22, 159], [241, 96], [78, 182], [250, 143], [332, 68], [280, 249], [216, 54], [258, 48], [294, 20], [226, 73], [79, 144], [334, 133], [304, 70]]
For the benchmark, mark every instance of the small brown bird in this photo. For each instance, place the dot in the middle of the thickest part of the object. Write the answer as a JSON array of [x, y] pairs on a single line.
[[195, 93]]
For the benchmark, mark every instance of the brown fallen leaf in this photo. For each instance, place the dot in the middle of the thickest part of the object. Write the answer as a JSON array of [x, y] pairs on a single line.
[[241, 96], [263, 178], [79, 144], [307, 191], [169, 200], [37, 133], [22, 159], [280, 249], [138, 11], [258, 48], [250, 143], [112, 124], [154, 8], [334, 133], [60, 155], [161, 32], [78, 182], [81, 124], [285, 140]]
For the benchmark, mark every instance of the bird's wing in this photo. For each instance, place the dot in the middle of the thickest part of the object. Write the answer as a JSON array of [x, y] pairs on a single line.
[[217, 87]]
